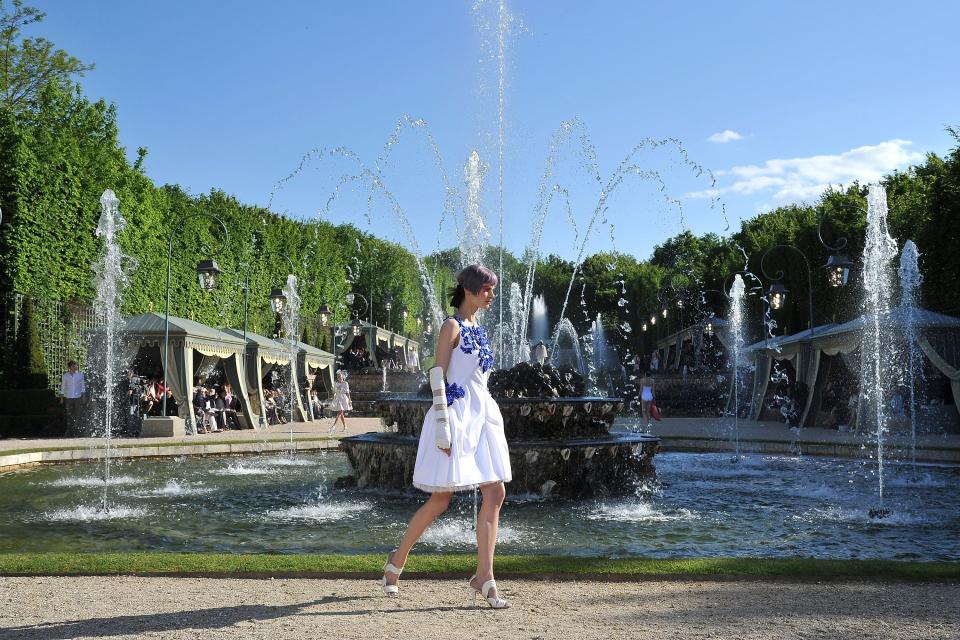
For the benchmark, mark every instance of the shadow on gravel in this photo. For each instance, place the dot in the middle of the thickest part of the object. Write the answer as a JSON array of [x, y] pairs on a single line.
[[212, 618]]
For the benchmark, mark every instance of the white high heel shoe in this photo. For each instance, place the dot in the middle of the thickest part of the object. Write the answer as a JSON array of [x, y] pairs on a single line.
[[495, 602], [391, 590]]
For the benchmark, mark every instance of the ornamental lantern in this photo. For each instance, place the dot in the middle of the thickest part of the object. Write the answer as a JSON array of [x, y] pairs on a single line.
[[838, 270], [777, 295], [277, 300], [207, 272], [324, 313]]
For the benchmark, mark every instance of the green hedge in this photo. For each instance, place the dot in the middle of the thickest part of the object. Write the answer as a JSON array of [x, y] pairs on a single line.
[[56, 161]]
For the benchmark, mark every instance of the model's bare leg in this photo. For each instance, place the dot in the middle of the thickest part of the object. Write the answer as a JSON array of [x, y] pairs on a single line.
[[488, 523], [423, 518]]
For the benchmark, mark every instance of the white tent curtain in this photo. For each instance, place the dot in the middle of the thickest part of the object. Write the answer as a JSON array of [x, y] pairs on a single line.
[[264, 365], [371, 345], [811, 365], [325, 369], [725, 338], [179, 377], [206, 364], [234, 370], [345, 341], [761, 381], [944, 367], [297, 410]]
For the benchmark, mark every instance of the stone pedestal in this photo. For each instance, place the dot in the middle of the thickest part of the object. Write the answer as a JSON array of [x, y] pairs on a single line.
[[163, 427]]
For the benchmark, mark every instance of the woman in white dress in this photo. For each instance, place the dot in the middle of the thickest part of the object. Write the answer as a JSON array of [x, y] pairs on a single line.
[[462, 444], [341, 400]]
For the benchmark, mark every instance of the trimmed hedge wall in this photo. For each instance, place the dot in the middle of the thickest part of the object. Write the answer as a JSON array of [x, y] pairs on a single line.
[[56, 161]]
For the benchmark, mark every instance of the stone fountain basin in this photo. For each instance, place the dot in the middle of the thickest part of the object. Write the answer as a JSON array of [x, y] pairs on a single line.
[[558, 446], [523, 418], [578, 468]]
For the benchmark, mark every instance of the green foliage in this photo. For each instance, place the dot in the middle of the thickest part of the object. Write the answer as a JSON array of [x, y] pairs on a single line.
[[57, 160], [28, 367], [30, 65]]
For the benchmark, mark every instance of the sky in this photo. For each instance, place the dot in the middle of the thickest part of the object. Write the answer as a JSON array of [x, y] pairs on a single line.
[[738, 107]]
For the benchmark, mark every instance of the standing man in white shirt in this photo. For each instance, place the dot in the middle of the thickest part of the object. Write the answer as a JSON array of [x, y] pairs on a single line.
[[73, 387]]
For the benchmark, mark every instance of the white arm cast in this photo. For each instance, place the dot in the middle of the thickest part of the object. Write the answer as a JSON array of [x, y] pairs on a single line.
[[440, 415]]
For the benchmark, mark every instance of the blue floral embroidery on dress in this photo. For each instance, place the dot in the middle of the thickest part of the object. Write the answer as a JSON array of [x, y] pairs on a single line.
[[475, 338], [454, 391]]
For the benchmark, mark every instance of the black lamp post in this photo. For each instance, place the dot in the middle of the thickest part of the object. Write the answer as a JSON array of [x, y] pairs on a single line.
[[207, 274], [777, 293], [388, 305], [350, 297], [665, 312], [837, 267], [324, 314]]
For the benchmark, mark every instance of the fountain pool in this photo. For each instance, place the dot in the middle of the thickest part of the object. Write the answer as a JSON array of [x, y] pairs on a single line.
[[697, 505]]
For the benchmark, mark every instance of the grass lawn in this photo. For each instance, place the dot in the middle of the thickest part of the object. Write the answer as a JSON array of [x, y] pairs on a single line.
[[459, 565]]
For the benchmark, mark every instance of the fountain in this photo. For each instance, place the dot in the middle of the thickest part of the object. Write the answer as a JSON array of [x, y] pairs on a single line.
[[291, 329], [641, 163], [559, 437], [111, 280], [736, 334], [910, 280], [539, 320], [878, 253], [475, 236], [566, 346], [518, 350]]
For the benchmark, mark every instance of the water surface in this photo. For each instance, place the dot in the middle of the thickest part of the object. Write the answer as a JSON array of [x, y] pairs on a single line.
[[699, 505]]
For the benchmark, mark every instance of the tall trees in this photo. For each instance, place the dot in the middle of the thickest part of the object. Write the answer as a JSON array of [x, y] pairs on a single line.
[[29, 65]]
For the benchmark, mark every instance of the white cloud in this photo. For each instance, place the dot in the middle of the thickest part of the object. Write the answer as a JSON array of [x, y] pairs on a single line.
[[725, 136], [798, 179]]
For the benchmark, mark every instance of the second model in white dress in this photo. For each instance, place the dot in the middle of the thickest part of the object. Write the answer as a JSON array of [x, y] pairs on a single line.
[[478, 447], [341, 397]]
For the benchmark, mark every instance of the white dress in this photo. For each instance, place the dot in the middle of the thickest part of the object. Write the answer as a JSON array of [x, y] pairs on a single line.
[[478, 449], [341, 397]]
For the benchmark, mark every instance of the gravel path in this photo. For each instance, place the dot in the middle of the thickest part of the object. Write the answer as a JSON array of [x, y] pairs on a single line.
[[132, 607]]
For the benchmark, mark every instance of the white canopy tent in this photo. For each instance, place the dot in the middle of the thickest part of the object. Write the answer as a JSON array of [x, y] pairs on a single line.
[[262, 355], [313, 362], [372, 337], [265, 353], [937, 337], [693, 333], [187, 336]]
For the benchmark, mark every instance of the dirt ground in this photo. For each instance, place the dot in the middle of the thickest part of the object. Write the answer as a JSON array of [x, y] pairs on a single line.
[[133, 607]]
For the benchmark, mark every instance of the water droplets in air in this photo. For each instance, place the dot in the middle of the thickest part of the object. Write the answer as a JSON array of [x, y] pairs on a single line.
[[111, 280], [878, 253]]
